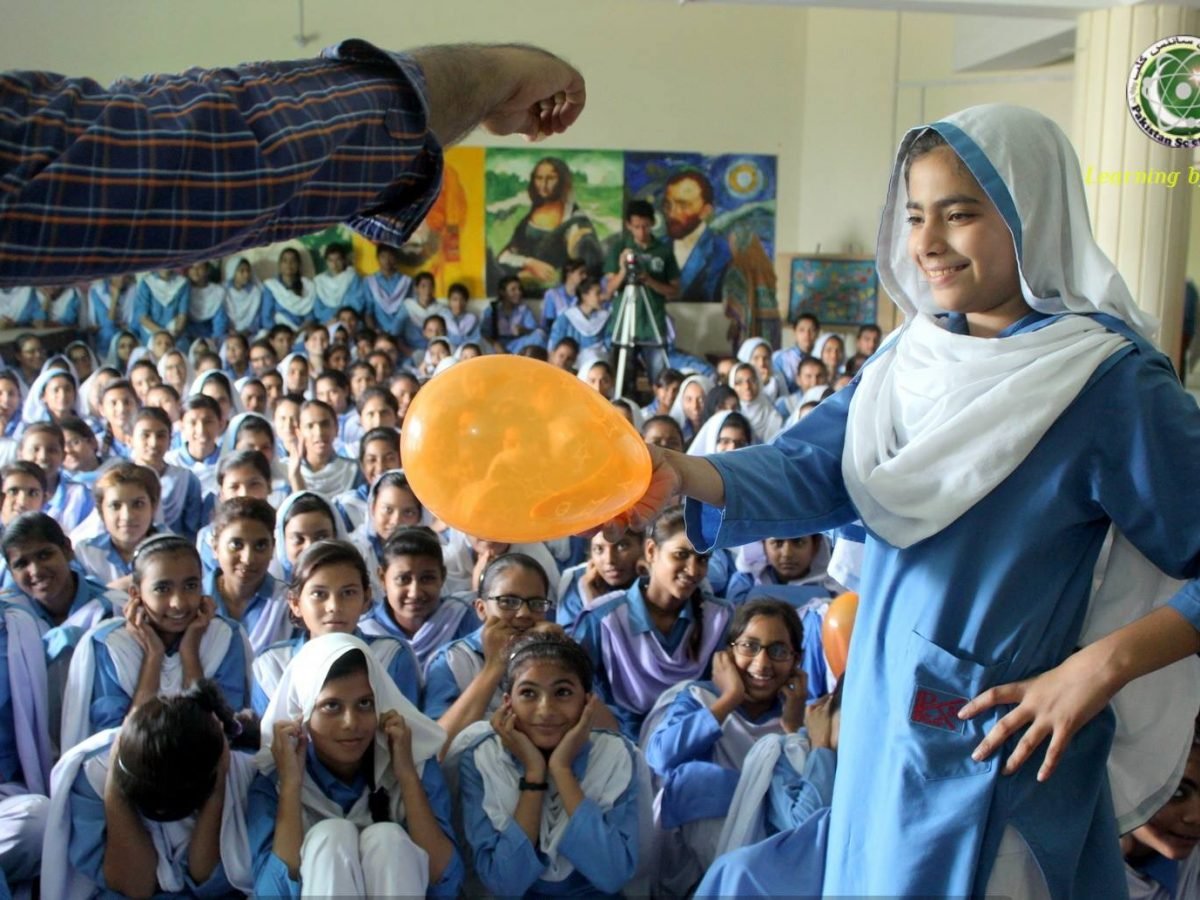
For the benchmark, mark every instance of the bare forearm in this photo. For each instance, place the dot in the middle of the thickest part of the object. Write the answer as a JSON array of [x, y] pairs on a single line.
[[568, 788], [149, 678], [193, 670], [130, 860], [289, 829], [699, 478], [422, 826], [1150, 643], [528, 814], [204, 851]]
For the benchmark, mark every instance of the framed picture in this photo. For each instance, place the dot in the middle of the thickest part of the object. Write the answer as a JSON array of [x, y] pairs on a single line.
[[838, 289]]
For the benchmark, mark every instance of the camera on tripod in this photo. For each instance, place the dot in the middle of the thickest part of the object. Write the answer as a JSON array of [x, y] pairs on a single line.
[[633, 268]]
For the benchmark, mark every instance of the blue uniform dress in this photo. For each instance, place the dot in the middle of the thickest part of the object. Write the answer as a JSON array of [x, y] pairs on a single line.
[[266, 618], [414, 321], [271, 878], [335, 292], [156, 305], [451, 670], [599, 842], [92, 602], [70, 503], [935, 626], [100, 559], [21, 304], [634, 662], [454, 618], [182, 505], [498, 327], [565, 327], [385, 301]]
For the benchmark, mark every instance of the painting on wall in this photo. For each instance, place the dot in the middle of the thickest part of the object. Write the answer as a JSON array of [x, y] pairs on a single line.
[[543, 210], [839, 290]]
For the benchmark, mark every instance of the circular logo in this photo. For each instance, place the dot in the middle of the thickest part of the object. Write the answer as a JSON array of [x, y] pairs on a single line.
[[1164, 91]]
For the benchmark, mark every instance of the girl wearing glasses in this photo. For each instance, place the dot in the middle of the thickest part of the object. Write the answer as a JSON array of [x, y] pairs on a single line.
[[660, 631], [329, 592], [698, 735], [463, 680]]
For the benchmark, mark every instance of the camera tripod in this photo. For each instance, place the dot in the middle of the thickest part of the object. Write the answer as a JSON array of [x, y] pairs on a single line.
[[634, 305]]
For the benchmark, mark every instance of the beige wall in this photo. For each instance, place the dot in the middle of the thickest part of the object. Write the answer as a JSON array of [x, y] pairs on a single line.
[[829, 91]]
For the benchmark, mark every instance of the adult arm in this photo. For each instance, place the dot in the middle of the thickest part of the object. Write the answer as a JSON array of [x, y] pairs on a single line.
[[254, 154]]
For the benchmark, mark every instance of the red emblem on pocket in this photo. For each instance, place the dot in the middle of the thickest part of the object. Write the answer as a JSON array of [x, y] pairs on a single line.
[[937, 710]]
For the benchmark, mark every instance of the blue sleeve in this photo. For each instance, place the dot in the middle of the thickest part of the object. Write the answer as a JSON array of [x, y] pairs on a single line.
[[441, 689], [110, 703], [507, 864], [812, 657], [485, 322], [356, 298], [407, 676], [569, 606], [688, 731], [438, 794], [603, 846], [259, 701], [220, 322], [231, 673], [557, 331], [696, 790], [721, 567], [266, 311], [193, 518], [738, 587], [792, 485], [139, 310], [85, 851], [794, 796], [271, 877]]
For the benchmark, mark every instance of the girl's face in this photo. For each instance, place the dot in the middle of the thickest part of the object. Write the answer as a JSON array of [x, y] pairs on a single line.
[[745, 383], [143, 378], [378, 413], [79, 453], [762, 676], [197, 274], [335, 262], [333, 393], [791, 558], [287, 422], [515, 581], [262, 360], [289, 264], [218, 393], [760, 358], [806, 334], [125, 345], [235, 350], [959, 241], [127, 512], [361, 378], [201, 430], [331, 600], [1174, 831], [82, 361], [316, 343], [339, 358], [42, 570], [413, 585], [59, 396], [244, 549], [241, 275], [170, 590], [297, 376], [457, 303], [469, 351], [120, 407], [304, 529], [244, 481], [164, 401], [343, 723], [809, 375], [617, 561], [832, 354], [254, 398], [403, 389], [273, 385], [175, 371], [32, 355], [731, 437], [662, 435], [319, 430], [591, 300], [10, 398], [599, 378], [45, 450], [394, 507], [676, 569], [547, 700], [22, 493], [379, 457], [436, 353], [151, 440], [282, 342], [160, 345]]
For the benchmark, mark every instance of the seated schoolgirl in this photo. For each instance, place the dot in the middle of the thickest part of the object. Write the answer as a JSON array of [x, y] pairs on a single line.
[[754, 404], [315, 341], [437, 351], [584, 321], [109, 304], [757, 352], [338, 286], [411, 605], [316, 466], [283, 339], [52, 396], [1161, 859], [295, 370], [467, 557], [663, 431], [350, 800], [235, 356], [81, 452], [597, 372], [242, 473], [25, 748], [254, 431], [206, 312], [289, 297], [170, 638], [11, 390], [376, 408], [462, 681], [661, 631], [253, 396], [118, 405], [216, 384], [167, 399], [61, 305], [550, 806], [610, 566], [66, 500], [794, 569], [329, 593], [378, 452], [240, 584], [181, 507], [303, 519], [362, 376], [156, 807], [200, 451], [462, 325], [333, 388], [126, 496], [160, 304], [176, 370], [391, 504], [143, 375], [507, 323], [698, 735]]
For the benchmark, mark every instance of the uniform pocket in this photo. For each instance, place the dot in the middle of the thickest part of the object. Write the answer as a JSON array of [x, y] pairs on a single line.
[[943, 682]]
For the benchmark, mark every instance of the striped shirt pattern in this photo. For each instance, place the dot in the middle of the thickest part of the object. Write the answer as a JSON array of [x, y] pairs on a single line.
[[172, 169]]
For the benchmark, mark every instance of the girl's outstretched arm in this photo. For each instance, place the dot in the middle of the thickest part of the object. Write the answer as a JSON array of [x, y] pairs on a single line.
[[1057, 703], [674, 475]]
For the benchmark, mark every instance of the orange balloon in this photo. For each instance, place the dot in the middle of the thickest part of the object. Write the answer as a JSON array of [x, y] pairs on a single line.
[[835, 632], [511, 449]]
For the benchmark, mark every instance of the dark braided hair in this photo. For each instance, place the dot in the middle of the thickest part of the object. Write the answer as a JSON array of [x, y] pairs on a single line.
[[548, 646], [665, 527]]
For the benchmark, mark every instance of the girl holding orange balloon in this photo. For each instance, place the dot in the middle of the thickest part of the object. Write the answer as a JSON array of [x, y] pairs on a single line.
[[660, 631]]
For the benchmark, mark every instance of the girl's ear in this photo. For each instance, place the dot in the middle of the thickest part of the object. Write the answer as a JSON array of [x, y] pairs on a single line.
[[293, 601], [481, 609]]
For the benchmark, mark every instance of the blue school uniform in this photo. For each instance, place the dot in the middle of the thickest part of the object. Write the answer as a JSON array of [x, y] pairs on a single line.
[[454, 619], [216, 325], [442, 688], [1090, 467], [601, 844], [378, 285], [109, 701], [93, 602], [499, 326], [99, 302], [563, 327], [100, 559], [788, 864], [671, 660], [271, 877], [70, 503], [786, 363], [262, 632], [462, 329], [145, 305], [330, 299], [204, 469], [20, 304], [402, 666], [282, 306], [554, 302], [414, 321], [182, 505], [64, 308]]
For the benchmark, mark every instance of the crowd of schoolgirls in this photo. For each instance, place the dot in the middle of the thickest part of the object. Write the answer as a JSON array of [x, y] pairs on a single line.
[[243, 659]]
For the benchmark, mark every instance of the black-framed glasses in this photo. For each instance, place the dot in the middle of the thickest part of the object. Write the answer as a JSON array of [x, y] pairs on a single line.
[[750, 648], [511, 602]]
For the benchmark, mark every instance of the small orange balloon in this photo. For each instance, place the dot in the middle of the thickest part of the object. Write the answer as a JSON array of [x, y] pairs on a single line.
[[511, 449], [835, 632]]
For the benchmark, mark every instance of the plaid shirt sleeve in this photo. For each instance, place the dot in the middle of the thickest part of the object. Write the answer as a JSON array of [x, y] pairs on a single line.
[[171, 169]]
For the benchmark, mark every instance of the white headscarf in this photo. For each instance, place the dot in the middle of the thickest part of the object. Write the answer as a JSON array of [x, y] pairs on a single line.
[[234, 395], [110, 356], [189, 373], [677, 407], [242, 305], [164, 290], [819, 349], [34, 408], [705, 442], [762, 415], [912, 451], [294, 699]]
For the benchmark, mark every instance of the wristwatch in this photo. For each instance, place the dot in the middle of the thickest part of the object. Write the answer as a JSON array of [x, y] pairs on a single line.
[[533, 785]]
